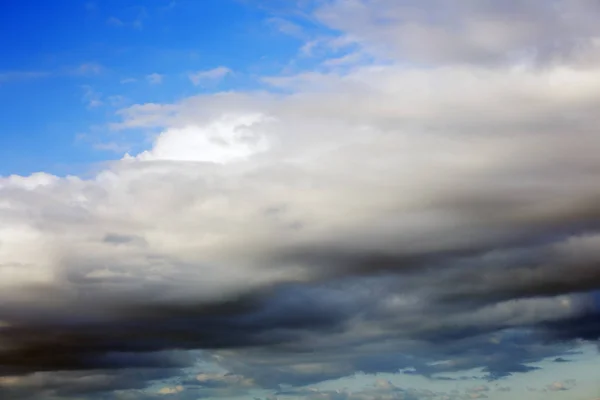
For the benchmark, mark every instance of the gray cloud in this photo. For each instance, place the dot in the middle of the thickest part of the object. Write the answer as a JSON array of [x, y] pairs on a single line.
[[468, 31], [390, 219], [383, 390]]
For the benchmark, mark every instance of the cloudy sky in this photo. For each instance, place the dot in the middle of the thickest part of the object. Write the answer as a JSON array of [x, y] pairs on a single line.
[[300, 199]]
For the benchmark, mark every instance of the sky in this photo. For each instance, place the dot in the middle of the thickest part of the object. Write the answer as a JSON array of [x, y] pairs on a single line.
[[299, 199]]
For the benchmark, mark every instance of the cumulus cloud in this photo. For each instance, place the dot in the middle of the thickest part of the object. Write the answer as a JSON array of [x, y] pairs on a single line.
[[390, 219], [227, 139], [560, 386]]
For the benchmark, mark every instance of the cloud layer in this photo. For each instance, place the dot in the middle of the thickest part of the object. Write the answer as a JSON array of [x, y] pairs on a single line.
[[393, 218]]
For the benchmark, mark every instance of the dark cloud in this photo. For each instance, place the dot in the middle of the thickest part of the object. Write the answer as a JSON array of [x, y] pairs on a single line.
[[71, 384], [460, 233], [269, 335]]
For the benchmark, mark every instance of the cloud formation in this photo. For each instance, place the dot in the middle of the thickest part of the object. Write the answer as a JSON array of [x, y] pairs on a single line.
[[487, 33], [391, 219], [209, 76], [155, 78]]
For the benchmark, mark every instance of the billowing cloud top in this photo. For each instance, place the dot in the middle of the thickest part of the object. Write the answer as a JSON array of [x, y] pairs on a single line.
[[433, 212]]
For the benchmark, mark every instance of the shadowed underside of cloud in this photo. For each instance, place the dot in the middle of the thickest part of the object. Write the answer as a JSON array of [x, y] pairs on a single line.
[[388, 219]]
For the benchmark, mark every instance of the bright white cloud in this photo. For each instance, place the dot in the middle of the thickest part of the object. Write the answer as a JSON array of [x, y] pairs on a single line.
[[227, 139], [423, 142]]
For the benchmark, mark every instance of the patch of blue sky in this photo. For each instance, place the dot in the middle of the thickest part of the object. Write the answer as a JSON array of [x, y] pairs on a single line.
[[68, 66]]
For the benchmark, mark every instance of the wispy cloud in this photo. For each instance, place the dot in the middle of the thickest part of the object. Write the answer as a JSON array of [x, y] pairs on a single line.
[[135, 18], [114, 21], [154, 78], [560, 386], [286, 27], [91, 98], [86, 69], [209, 76], [10, 76], [117, 100], [138, 22], [128, 80]]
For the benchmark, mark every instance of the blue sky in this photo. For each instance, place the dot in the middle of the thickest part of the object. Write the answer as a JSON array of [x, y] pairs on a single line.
[[303, 199], [60, 57]]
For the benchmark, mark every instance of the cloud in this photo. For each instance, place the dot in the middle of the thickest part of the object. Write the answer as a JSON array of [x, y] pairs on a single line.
[[560, 386], [133, 17], [114, 21], [209, 76], [91, 97], [227, 139], [382, 389], [385, 219], [287, 27], [471, 32], [155, 78], [12, 76], [142, 15], [117, 100], [495, 289], [60, 385], [87, 69], [295, 250], [479, 389]]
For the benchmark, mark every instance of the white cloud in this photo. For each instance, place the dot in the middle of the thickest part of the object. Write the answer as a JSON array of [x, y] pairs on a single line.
[[435, 32], [171, 390], [90, 68], [440, 136], [117, 100], [91, 97], [241, 190], [286, 27], [114, 21], [155, 78], [225, 140], [128, 80], [560, 386], [209, 76]]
